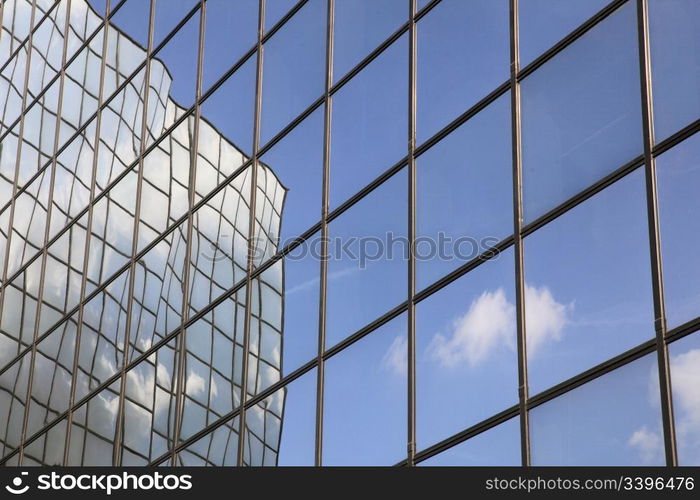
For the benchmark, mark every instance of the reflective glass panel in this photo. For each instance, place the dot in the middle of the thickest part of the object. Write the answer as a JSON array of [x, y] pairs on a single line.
[[581, 114], [281, 429], [499, 446], [684, 358], [542, 23], [359, 27], [588, 284], [612, 420], [674, 33], [288, 89], [367, 270], [364, 409], [466, 351], [678, 174], [368, 129], [453, 74], [465, 193]]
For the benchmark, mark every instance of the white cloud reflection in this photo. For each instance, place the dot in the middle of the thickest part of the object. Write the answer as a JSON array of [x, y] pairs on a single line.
[[489, 325]]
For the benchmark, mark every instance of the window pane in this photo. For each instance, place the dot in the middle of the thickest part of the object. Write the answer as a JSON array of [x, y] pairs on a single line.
[[542, 23], [674, 32], [168, 14], [451, 78], [466, 351], [281, 430], [499, 446], [179, 56], [218, 448], [230, 110], [613, 420], [231, 30], [297, 163], [364, 421], [288, 89], [132, 18], [297, 276], [685, 377], [275, 10], [359, 27], [369, 125], [678, 174], [581, 114], [588, 285], [465, 193], [367, 266]]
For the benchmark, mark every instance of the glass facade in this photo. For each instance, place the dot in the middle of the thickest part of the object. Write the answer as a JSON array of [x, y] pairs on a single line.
[[349, 232]]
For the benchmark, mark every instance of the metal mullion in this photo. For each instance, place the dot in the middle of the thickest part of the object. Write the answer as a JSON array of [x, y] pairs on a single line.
[[323, 264], [88, 232], [518, 237], [44, 252], [654, 238], [412, 189], [251, 231], [181, 338], [119, 424]]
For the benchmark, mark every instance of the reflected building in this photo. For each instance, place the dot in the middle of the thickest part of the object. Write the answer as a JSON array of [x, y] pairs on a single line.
[[76, 313]]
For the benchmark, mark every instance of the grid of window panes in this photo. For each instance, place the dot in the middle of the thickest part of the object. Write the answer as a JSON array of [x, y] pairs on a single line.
[[432, 232]]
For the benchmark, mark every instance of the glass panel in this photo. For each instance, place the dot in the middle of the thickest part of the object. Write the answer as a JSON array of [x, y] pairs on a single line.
[[112, 230], [367, 259], [613, 420], [231, 30], [269, 203], [464, 193], [179, 56], [297, 163], [101, 348], [166, 175], [588, 284], [685, 378], [13, 395], [359, 27], [542, 23], [51, 379], [498, 447], [132, 19], [364, 420], [368, 132], [156, 309], [281, 429], [450, 78], [275, 10], [466, 351], [264, 364], [47, 449], [93, 429], [297, 277], [149, 406], [581, 114], [678, 174], [230, 111], [19, 310], [214, 364], [216, 449], [168, 14], [219, 251], [674, 32], [288, 89]]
